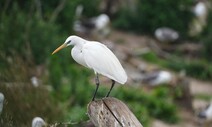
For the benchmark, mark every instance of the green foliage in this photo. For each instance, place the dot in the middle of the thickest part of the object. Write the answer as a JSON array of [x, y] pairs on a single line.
[[34, 37], [24, 102], [203, 96], [10, 72], [197, 69], [42, 38], [29, 37], [75, 93], [12, 39], [151, 57], [55, 73], [157, 104], [207, 38], [67, 16], [151, 14], [200, 69], [77, 114]]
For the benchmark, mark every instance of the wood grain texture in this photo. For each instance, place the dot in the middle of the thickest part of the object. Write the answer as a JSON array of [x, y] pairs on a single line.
[[111, 112]]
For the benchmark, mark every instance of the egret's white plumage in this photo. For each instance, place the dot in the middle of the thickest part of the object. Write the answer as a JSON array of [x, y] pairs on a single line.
[[38, 122], [96, 56]]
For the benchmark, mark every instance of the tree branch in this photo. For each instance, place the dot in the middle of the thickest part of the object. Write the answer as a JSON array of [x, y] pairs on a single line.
[[57, 10]]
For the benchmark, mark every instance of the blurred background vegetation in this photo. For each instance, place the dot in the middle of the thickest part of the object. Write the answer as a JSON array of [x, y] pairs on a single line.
[[30, 30]]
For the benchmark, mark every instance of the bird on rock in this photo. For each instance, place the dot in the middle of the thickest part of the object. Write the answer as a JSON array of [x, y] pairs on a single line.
[[38, 122], [206, 113], [1, 102], [98, 57], [165, 34]]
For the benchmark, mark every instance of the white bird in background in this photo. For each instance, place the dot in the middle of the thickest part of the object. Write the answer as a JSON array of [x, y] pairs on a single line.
[[165, 34], [98, 57], [200, 9], [34, 81], [96, 25], [206, 113], [157, 77], [1, 102], [38, 122], [93, 25]]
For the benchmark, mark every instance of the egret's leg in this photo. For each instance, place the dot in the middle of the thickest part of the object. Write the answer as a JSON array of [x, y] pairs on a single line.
[[97, 86], [113, 83]]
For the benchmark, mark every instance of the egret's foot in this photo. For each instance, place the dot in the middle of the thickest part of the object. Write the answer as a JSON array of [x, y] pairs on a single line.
[[93, 99]]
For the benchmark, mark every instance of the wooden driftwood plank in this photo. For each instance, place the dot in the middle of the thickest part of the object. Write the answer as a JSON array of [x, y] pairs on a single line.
[[111, 112]]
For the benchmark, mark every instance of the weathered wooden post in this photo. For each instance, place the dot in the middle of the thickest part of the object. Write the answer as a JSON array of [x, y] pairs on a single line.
[[111, 112]]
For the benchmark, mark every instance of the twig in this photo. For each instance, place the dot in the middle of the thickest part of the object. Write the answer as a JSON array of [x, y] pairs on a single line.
[[58, 9], [38, 8], [5, 6]]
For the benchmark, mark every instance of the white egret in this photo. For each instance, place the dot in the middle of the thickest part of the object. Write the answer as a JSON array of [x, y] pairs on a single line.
[[38, 122], [1, 101], [98, 57]]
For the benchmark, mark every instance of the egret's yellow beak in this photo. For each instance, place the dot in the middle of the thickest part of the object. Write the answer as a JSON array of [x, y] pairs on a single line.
[[59, 48]]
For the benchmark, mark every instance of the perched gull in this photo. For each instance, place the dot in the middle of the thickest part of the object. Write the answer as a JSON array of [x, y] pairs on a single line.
[[157, 77], [165, 34], [38, 122], [200, 9], [1, 101], [96, 25], [206, 113], [34, 81]]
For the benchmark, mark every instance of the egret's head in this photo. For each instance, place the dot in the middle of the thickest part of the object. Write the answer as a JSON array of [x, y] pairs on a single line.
[[71, 40]]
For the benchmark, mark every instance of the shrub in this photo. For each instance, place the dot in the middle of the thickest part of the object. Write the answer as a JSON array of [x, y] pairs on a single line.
[[157, 103], [34, 37], [27, 36], [24, 102], [207, 38], [151, 14]]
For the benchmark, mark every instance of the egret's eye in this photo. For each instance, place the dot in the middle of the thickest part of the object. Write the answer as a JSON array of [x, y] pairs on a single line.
[[69, 42]]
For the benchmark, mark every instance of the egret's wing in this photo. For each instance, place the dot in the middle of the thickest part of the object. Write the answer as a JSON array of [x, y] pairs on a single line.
[[98, 57]]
